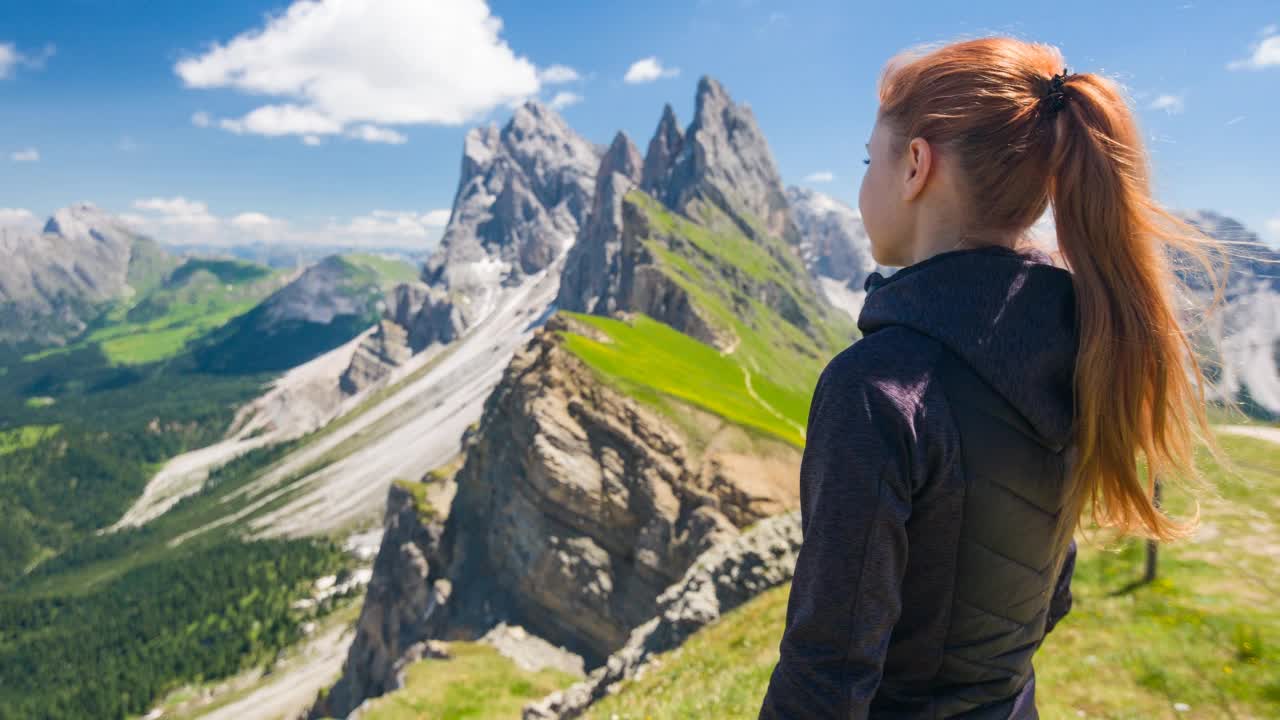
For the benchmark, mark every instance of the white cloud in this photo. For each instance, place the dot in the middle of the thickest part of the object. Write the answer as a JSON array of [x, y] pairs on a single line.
[[174, 211], [273, 120], [392, 225], [254, 220], [8, 59], [17, 217], [1265, 53], [338, 63], [556, 74], [375, 134], [1269, 30], [436, 218], [564, 99], [822, 176], [182, 220], [11, 59], [647, 70], [25, 155], [201, 119], [311, 140], [1172, 104]]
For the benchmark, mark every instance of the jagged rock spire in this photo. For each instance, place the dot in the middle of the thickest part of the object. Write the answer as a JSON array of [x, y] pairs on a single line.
[[722, 158], [586, 284], [666, 144]]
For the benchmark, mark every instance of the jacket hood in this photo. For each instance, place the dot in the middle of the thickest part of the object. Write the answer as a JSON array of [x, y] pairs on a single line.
[[1009, 314]]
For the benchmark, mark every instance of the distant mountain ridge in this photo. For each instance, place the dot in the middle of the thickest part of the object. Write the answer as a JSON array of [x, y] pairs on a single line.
[[53, 282]]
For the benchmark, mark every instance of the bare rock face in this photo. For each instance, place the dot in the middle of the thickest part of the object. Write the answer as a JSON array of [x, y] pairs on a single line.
[[52, 281], [577, 505], [721, 163], [721, 579], [595, 257], [723, 158], [523, 193], [386, 349], [664, 148], [391, 630]]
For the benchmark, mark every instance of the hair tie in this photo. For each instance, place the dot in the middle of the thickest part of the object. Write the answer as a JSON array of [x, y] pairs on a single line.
[[1056, 98]]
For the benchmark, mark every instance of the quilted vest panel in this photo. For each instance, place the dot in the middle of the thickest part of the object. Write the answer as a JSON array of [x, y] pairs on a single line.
[[1010, 550]]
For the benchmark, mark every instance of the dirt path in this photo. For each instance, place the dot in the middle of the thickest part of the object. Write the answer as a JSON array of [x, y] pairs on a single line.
[[1261, 432], [746, 376]]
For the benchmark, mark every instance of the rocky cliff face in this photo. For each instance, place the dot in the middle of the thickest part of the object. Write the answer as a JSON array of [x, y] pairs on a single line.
[[657, 242], [595, 257], [721, 579], [391, 631], [721, 158], [578, 505], [523, 193], [575, 508], [52, 282]]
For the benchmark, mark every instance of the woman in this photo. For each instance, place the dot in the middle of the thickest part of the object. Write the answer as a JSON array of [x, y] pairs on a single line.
[[951, 450]]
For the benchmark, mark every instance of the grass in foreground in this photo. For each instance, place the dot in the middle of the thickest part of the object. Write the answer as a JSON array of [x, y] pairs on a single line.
[[476, 683], [1206, 635]]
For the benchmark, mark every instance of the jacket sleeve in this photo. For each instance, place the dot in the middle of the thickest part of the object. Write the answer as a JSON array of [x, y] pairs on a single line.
[[845, 596], [1060, 604]]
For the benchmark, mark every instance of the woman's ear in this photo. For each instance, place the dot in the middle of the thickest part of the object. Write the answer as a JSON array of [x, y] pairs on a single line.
[[919, 166]]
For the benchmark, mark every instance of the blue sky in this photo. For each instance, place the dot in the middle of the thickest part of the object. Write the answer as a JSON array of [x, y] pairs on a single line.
[[151, 109]]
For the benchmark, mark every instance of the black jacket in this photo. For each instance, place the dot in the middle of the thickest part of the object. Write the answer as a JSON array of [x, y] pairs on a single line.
[[932, 486]]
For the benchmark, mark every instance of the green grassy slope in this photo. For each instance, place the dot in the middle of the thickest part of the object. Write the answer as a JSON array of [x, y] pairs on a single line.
[[647, 359], [261, 340], [1206, 634], [753, 291], [157, 322], [476, 683]]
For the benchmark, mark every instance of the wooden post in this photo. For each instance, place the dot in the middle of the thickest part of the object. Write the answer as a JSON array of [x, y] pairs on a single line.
[[1153, 546]]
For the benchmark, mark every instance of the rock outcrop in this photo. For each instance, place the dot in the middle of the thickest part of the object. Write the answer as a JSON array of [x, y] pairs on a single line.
[[718, 179], [578, 505], [721, 579], [53, 282], [391, 631], [595, 257], [523, 193], [376, 357], [721, 158]]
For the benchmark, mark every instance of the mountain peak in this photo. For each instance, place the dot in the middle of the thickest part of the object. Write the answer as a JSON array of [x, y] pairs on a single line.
[[621, 157], [84, 221], [722, 158], [710, 93], [667, 142]]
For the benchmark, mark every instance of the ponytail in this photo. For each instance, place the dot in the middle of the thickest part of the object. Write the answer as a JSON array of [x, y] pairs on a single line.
[[1138, 388], [1138, 384]]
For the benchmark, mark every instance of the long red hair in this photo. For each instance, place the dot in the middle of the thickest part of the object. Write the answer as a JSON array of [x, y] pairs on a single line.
[[1139, 392]]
